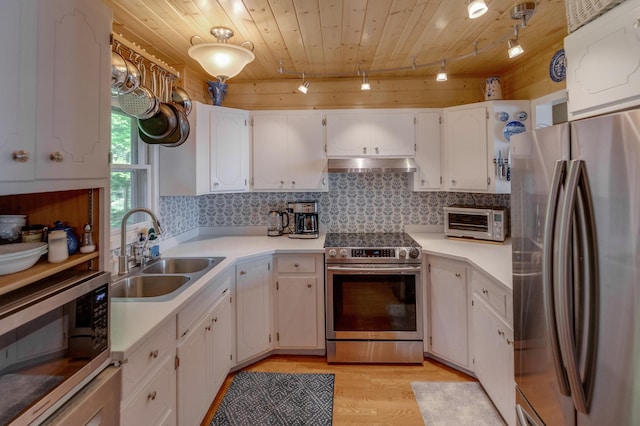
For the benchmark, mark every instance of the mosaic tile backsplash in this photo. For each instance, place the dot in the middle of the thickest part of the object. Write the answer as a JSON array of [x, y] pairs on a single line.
[[356, 202]]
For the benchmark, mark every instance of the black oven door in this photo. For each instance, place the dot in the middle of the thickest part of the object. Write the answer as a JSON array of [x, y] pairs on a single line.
[[374, 302]]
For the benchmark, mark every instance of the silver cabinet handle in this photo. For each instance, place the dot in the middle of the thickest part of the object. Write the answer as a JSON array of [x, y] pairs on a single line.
[[56, 156], [21, 156]]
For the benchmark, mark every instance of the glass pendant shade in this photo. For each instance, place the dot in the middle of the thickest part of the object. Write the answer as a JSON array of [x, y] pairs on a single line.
[[221, 60]]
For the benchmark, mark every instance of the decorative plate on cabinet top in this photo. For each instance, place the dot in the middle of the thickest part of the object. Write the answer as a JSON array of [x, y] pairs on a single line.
[[503, 116], [558, 67], [513, 128]]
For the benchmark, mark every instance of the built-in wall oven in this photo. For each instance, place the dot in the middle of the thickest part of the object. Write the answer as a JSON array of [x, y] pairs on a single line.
[[54, 338], [373, 298]]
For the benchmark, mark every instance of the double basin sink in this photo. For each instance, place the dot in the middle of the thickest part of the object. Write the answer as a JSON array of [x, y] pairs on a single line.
[[162, 279]]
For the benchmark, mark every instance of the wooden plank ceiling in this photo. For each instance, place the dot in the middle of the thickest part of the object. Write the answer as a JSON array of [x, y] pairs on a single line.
[[334, 37]]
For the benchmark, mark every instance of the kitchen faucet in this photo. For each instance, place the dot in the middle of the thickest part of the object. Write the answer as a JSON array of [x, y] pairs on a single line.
[[123, 259]]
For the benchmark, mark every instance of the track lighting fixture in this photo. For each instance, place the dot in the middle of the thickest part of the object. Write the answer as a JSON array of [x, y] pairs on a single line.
[[304, 87], [365, 82], [514, 47], [476, 8], [442, 74]]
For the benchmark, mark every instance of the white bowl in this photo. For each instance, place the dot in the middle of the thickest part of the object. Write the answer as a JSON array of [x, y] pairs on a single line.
[[20, 256]]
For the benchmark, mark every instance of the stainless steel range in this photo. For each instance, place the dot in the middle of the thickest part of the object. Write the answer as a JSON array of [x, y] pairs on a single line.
[[373, 298]]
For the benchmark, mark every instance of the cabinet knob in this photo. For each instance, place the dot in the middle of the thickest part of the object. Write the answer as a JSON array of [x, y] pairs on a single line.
[[154, 354], [56, 156], [281, 182], [377, 150], [509, 341], [21, 156], [295, 265], [216, 183], [453, 182], [152, 395], [500, 332], [243, 272], [293, 182], [308, 285], [215, 319], [364, 150], [208, 328], [458, 274], [422, 182], [485, 291]]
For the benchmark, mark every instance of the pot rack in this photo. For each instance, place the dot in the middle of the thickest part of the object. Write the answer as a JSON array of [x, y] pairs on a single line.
[[127, 48]]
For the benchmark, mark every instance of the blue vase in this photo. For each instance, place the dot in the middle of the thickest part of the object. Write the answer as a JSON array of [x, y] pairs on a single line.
[[72, 240], [217, 90]]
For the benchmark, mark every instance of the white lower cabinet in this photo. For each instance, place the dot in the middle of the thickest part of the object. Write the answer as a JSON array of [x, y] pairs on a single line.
[[299, 302], [493, 357], [447, 284], [204, 360], [149, 380], [253, 308]]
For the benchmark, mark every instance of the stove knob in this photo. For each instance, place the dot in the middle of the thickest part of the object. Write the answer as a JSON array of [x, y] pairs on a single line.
[[414, 253], [403, 253], [343, 252], [332, 253]]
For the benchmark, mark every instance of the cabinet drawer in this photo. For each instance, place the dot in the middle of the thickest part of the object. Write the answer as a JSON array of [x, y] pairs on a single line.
[[296, 264], [199, 306], [148, 357], [155, 401], [494, 294]]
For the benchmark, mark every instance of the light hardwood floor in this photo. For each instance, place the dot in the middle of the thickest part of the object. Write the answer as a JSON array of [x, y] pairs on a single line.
[[372, 394]]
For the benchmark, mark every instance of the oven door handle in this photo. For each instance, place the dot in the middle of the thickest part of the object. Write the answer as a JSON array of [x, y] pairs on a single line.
[[369, 270]]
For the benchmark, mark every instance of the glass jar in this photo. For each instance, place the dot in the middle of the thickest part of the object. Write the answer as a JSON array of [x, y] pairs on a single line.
[[33, 233]]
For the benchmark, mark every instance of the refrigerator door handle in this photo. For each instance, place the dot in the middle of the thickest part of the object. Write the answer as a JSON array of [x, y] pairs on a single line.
[[577, 214], [547, 274]]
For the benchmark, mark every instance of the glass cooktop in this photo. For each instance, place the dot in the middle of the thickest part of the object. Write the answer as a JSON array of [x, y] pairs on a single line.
[[370, 240]]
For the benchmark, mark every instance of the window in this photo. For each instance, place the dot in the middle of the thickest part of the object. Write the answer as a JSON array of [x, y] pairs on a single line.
[[130, 171]]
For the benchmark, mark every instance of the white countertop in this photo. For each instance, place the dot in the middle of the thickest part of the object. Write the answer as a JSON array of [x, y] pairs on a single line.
[[132, 322]]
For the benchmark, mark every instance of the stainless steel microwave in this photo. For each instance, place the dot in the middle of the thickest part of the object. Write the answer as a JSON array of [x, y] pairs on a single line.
[[54, 338], [481, 223]]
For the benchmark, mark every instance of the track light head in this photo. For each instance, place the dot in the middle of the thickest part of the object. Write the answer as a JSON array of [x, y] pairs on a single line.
[[476, 8], [365, 83], [442, 74]]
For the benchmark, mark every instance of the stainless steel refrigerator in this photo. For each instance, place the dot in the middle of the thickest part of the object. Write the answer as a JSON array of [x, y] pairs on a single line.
[[575, 207]]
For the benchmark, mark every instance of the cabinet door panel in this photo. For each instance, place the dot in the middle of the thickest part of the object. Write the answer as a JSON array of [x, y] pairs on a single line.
[[253, 309], [348, 134], [305, 148], [220, 344], [269, 151], [193, 374], [297, 312], [428, 159], [466, 142], [74, 102], [393, 134], [448, 302], [229, 150]]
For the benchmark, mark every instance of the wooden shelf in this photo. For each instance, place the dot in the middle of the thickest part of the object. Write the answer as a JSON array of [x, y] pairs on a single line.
[[41, 270]]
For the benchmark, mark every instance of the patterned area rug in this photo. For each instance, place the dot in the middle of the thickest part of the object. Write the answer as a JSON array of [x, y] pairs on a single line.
[[256, 398], [455, 403]]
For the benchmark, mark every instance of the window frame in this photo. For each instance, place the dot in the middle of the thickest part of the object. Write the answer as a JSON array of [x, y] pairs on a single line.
[[148, 161]]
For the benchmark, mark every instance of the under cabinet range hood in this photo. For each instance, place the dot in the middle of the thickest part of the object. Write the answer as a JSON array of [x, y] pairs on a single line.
[[371, 165]]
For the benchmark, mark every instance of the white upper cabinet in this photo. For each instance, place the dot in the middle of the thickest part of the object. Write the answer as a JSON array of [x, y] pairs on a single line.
[[57, 71], [477, 144], [603, 63], [288, 151], [358, 133], [428, 176], [215, 157]]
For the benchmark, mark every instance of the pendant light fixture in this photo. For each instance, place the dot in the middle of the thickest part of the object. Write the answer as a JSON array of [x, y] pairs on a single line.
[[222, 60], [476, 8], [442, 74]]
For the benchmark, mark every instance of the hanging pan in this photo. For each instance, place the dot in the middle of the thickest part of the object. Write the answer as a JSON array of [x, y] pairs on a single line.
[[141, 102]]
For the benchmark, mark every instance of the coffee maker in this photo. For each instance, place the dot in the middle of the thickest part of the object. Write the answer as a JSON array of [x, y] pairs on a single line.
[[305, 219]]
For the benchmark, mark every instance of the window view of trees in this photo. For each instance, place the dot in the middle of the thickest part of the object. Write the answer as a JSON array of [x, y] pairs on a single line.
[[128, 176]]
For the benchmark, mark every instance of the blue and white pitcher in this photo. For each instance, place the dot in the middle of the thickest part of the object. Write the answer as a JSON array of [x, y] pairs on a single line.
[[491, 89]]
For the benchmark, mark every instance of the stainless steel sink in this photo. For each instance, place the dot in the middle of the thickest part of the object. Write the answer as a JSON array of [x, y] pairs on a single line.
[[181, 265], [144, 286], [163, 279]]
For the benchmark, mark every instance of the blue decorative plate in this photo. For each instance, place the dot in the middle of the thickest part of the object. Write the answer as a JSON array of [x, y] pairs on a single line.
[[503, 116], [513, 128], [557, 67]]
